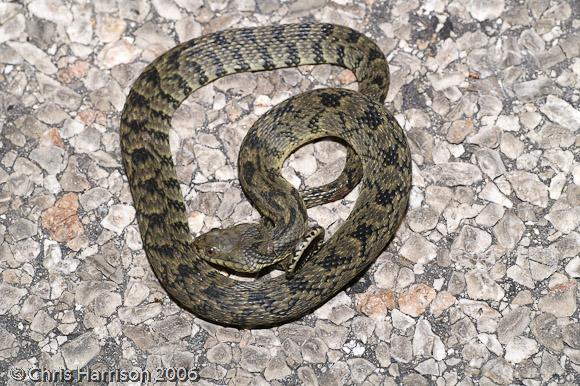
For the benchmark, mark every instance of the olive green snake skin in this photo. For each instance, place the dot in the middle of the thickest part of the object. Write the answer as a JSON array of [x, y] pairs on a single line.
[[377, 152]]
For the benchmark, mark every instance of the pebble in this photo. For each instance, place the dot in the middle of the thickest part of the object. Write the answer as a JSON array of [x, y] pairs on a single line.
[[376, 303], [53, 10], [12, 28], [509, 230], [513, 324], [455, 174], [561, 112], [547, 332], [34, 55], [418, 250], [118, 52], [416, 299], [22, 229], [118, 218], [485, 10], [573, 267], [61, 220], [10, 296], [481, 286], [560, 300], [490, 163], [529, 188]]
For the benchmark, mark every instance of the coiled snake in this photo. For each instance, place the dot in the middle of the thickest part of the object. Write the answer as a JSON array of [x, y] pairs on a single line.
[[378, 153]]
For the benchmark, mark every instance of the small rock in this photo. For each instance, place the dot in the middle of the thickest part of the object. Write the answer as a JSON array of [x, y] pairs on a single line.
[[491, 193], [561, 300], [8, 344], [529, 188], [307, 376], [139, 314], [376, 303], [11, 29], [455, 174], [418, 250], [485, 10], [546, 330], [337, 310], [401, 348], [490, 162], [277, 368], [422, 219], [511, 146], [73, 180], [78, 352], [53, 10], [334, 336], [573, 267], [118, 218], [221, 354], [475, 354], [481, 286], [22, 229], [360, 369], [167, 9], [42, 323], [93, 198], [109, 29], [471, 240], [513, 324], [119, 52], [499, 371], [49, 158], [10, 296], [509, 230], [520, 348], [209, 160], [62, 220], [537, 88], [415, 300], [314, 351], [561, 112], [571, 335], [564, 218], [34, 56], [490, 215], [459, 130], [426, 343], [442, 301], [401, 321], [550, 366]]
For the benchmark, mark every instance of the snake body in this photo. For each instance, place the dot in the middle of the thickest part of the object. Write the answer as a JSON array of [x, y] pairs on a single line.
[[378, 153]]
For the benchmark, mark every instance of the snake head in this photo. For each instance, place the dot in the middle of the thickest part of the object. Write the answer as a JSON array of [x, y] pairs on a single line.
[[233, 248]]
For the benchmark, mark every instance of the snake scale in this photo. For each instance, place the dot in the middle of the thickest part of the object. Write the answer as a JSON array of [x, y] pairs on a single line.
[[378, 155]]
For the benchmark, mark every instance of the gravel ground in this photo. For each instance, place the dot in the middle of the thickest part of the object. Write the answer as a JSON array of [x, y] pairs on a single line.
[[480, 286]]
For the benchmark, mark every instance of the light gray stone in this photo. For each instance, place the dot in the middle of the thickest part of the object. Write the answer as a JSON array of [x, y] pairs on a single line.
[[529, 188], [481, 286], [547, 332], [78, 352], [512, 324], [561, 112], [455, 174], [118, 218]]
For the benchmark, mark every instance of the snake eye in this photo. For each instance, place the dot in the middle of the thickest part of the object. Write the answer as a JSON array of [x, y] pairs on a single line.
[[211, 251]]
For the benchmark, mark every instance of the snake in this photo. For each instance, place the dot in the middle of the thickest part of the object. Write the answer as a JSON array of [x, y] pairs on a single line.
[[378, 161]]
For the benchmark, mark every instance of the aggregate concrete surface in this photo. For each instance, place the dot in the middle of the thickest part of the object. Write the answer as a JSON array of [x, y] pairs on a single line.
[[480, 285]]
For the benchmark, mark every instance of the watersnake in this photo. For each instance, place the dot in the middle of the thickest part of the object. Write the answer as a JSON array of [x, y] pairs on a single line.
[[378, 156]]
